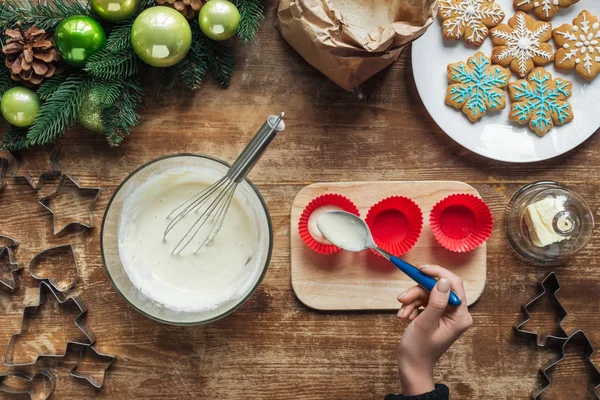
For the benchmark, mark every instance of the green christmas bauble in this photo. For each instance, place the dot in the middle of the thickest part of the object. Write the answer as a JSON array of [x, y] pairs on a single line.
[[219, 19], [115, 10], [161, 36], [77, 38], [90, 112], [20, 106]]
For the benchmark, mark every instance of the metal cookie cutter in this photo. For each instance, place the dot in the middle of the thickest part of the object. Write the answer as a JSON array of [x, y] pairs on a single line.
[[31, 385], [579, 338], [6, 259], [8, 242], [548, 285], [3, 168], [82, 325], [79, 375], [46, 203], [67, 248], [45, 175]]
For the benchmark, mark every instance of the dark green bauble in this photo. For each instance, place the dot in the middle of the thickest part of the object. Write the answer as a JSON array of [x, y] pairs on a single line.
[[77, 38], [90, 112], [115, 10], [219, 19]]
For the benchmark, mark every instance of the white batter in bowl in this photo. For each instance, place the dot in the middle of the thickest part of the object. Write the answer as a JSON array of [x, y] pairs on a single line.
[[187, 288]]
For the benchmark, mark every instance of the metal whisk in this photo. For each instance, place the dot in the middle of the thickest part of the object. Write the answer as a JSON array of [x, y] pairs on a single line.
[[214, 201]]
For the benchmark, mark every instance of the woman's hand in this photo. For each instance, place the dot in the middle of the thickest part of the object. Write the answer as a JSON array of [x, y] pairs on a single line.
[[431, 333]]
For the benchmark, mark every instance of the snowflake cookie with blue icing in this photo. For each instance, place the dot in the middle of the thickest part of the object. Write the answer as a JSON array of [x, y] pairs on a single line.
[[469, 19], [579, 45], [540, 101], [477, 86], [522, 44], [543, 9]]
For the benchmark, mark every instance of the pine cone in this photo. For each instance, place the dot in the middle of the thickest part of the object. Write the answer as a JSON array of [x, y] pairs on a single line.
[[189, 8], [30, 55]]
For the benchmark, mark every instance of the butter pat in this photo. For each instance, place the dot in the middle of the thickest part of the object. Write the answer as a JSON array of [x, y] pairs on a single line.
[[539, 218]]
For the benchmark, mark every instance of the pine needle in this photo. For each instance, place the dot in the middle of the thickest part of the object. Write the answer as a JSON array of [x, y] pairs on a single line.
[[166, 77], [60, 110], [5, 81], [43, 13], [49, 86], [120, 118], [120, 37], [14, 139], [113, 65], [108, 91], [251, 15]]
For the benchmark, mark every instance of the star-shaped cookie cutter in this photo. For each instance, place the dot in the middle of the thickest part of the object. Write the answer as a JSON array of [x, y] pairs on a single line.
[[53, 250], [11, 283], [551, 286], [92, 381], [79, 322], [580, 338], [31, 390], [17, 162], [45, 202]]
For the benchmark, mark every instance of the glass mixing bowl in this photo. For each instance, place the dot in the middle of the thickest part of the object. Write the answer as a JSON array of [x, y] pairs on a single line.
[[110, 249]]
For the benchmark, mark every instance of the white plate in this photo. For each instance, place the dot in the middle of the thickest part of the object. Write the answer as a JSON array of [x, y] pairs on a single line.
[[494, 136]]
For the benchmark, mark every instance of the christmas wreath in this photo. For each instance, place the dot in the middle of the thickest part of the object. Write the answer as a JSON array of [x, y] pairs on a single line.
[[68, 61]]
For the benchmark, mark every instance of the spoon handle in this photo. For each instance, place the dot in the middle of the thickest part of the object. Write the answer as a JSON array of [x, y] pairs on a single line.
[[423, 280]]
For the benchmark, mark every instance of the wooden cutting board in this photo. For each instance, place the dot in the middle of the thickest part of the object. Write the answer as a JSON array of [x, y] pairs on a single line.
[[365, 281]]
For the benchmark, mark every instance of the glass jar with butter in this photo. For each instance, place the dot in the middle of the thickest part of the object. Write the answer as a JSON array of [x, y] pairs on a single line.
[[546, 223]]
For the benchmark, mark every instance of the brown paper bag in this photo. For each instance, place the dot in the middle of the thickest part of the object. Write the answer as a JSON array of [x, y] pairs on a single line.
[[340, 46]]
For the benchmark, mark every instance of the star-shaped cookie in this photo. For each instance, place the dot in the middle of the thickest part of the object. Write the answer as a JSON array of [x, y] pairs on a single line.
[[522, 44], [543, 9], [469, 19], [477, 86], [579, 45]]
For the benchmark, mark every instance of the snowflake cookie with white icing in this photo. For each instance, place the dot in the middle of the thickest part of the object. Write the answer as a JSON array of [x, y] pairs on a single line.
[[522, 44], [541, 101], [469, 19], [579, 45], [543, 9], [477, 86]]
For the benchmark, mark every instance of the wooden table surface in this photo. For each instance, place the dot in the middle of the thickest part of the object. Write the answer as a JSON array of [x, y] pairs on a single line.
[[274, 347]]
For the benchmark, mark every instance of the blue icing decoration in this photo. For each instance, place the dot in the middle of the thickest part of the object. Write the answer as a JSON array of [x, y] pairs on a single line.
[[479, 87], [535, 102]]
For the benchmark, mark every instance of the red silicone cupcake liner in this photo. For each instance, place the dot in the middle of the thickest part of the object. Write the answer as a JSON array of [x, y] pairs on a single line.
[[324, 200], [461, 222], [396, 224]]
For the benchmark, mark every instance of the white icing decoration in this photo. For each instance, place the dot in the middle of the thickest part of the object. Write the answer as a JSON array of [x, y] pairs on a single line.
[[586, 44], [469, 14], [546, 5], [522, 43]]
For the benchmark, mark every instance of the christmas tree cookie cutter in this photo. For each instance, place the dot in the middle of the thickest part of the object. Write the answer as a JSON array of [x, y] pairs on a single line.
[[45, 202], [549, 285], [45, 288], [29, 384], [60, 250], [581, 339], [55, 169], [6, 257], [110, 359]]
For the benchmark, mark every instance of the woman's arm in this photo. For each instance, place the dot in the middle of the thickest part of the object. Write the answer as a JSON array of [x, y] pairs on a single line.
[[430, 334]]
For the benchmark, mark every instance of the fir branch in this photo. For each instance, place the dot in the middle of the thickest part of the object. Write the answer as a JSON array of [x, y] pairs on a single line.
[[251, 15], [167, 76], [113, 65], [14, 139], [120, 37], [49, 86], [218, 58], [108, 91], [60, 109], [5, 81], [42, 13], [192, 72], [121, 117]]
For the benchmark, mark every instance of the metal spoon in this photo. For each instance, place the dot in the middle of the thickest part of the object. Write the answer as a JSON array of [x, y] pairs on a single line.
[[351, 233]]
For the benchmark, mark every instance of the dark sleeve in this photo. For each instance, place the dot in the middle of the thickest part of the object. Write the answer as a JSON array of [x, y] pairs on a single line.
[[441, 392]]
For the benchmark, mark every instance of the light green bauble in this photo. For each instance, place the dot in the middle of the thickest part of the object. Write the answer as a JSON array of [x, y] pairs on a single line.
[[219, 19], [115, 10], [161, 36], [90, 112], [77, 38], [20, 106]]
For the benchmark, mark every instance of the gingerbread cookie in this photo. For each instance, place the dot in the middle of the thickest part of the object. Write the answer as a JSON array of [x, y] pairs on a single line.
[[477, 86], [543, 9], [522, 44], [469, 19], [540, 101], [579, 45]]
